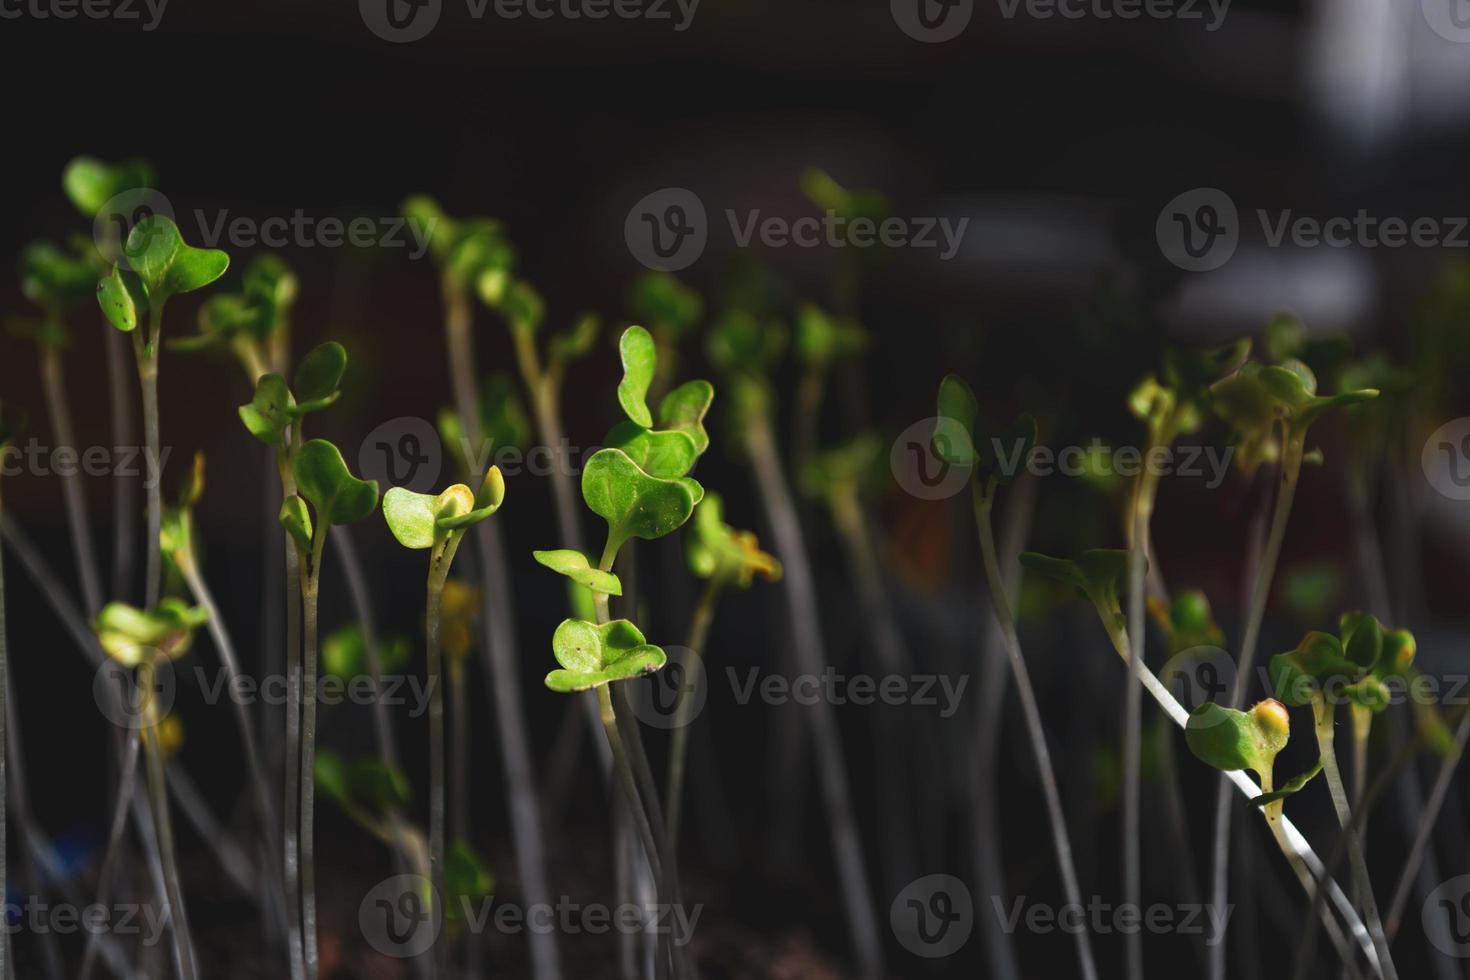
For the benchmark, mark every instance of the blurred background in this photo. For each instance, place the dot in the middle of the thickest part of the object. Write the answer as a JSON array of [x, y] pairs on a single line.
[[1066, 143]]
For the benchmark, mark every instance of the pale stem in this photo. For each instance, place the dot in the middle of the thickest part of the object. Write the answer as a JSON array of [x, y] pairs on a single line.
[[309, 593], [71, 480], [1426, 826], [699, 626], [146, 354], [1035, 729], [163, 825]]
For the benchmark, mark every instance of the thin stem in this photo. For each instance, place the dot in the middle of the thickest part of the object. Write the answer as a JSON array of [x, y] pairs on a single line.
[[1143, 508], [1265, 573], [1035, 729], [230, 664], [146, 354], [291, 809], [71, 481], [158, 792], [502, 673], [114, 840], [125, 491], [1272, 813], [438, 573], [699, 626], [1323, 713], [1426, 827], [309, 593], [810, 653], [624, 773]]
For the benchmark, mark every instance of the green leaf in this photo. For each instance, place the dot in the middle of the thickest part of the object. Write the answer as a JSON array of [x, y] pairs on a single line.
[[1370, 693], [1291, 787], [344, 654], [959, 413], [592, 655], [741, 342], [91, 183], [684, 409], [323, 478], [484, 502], [121, 295], [1300, 675], [1191, 371], [633, 503], [130, 635], [665, 454], [822, 339], [1399, 650], [639, 356], [296, 519], [845, 466], [1099, 573], [318, 376], [575, 566], [465, 877], [1229, 740], [269, 412], [165, 264], [410, 517], [1362, 638]]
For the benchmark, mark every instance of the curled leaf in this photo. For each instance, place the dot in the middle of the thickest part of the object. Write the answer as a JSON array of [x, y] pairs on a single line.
[[323, 478], [592, 655], [639, 356], [576, 566]]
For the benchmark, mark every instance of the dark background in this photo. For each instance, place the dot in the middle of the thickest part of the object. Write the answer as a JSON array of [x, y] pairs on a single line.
[[1061, 140]]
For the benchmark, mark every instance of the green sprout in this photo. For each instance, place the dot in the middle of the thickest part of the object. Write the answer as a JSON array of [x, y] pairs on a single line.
[[155, 265], [142, 639], [671, 311], [438, 524], [336, 497], [253, 324]]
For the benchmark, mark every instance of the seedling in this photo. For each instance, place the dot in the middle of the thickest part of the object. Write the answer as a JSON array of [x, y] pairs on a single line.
[[595, 655], [438, 523], [253, 324], [671, 310], [471, 253], [335, 497], [141, 639], [155, 265]]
